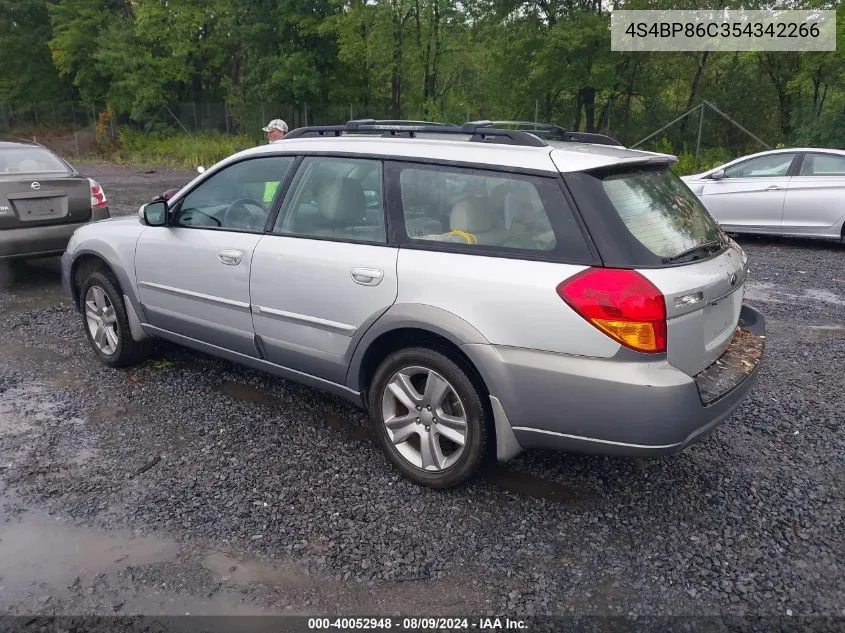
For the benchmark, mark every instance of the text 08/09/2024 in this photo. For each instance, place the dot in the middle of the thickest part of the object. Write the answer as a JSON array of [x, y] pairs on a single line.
[[417, 624]]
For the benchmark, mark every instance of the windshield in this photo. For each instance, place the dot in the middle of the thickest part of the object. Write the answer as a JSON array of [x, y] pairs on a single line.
[[660, 211], [30, 160]]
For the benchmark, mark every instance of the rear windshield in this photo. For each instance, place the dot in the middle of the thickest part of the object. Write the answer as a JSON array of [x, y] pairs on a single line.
[[660, 211], [30, 160], [662, 215]]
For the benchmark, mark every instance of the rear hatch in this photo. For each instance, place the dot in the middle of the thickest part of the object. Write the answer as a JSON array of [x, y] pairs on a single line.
[[642, 217], [36, 188]]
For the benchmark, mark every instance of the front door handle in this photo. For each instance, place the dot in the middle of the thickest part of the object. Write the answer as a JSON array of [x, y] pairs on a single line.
[[230, 257], [773, 188], [367, 276]]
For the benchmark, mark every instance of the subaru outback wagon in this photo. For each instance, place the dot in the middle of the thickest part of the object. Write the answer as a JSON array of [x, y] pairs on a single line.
[[478, 290]]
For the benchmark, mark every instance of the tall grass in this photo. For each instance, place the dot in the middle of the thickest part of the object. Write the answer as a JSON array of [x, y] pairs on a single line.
[[178, 150]]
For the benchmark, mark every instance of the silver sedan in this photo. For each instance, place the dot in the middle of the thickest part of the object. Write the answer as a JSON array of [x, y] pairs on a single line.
[[795, 192]]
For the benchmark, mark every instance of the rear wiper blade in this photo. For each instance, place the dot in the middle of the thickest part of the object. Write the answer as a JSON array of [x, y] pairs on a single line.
[[701, 249]]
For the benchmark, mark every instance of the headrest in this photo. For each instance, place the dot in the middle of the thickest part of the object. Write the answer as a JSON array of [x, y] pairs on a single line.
[[342, 201], [471, 215]]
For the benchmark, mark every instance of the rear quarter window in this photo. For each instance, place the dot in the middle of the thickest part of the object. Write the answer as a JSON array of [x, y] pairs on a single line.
[[486, 212]]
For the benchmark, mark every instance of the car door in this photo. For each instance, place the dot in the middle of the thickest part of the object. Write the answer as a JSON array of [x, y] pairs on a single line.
[[815, 198], [325, 271], [752, 193], [193, 274]]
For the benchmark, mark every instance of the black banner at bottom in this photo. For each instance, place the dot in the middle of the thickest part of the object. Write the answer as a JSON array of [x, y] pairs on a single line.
[[419, 624]]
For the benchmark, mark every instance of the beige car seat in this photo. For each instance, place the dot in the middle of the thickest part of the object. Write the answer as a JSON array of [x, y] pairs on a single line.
[[475, 216], [343, 211]]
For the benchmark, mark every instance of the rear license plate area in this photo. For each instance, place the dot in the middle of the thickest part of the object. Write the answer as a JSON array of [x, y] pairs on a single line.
[[720, 318], [40, 208], [741, 358]]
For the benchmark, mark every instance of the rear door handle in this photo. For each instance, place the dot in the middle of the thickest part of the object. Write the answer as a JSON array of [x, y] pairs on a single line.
[[367, 276], [230, 257]]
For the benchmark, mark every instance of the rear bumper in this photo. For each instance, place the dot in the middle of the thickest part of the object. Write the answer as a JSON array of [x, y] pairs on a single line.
[[611, 407], [37, 241]]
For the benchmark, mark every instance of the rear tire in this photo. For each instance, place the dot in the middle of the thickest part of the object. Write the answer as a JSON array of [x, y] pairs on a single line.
[[106, 323], [428, 417]]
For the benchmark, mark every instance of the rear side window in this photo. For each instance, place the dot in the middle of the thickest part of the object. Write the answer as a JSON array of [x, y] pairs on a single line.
[[823, 165], [487, 212], [30, 160]]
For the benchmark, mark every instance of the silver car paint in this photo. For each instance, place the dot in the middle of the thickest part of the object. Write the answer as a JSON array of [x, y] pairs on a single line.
[[495, 293], [745, 202], [810, 206], [112, 240], [815, 205], [703, 300], [310, 301], [187, 288], [554, 378]]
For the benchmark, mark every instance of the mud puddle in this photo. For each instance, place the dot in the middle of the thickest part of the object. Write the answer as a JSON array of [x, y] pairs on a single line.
[[24, 408], [41, 556], [48, 565], [47, 361], [231, 571]]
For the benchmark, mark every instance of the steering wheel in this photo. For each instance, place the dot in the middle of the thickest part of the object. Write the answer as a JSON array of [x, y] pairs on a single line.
[[238, 215]]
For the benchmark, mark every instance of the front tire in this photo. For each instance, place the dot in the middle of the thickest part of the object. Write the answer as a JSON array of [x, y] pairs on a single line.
[[106, 324], [428, 417]]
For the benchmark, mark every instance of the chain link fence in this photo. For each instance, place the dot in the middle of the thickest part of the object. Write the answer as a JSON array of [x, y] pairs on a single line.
[[191, 117]]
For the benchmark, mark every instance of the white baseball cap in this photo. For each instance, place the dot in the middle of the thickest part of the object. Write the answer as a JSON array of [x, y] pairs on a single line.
[[276, 124]]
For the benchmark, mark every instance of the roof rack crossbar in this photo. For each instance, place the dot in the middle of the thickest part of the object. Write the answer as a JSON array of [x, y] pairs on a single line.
[[478, 132], [550, 130]]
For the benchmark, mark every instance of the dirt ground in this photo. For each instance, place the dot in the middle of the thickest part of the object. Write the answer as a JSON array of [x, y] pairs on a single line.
[[190, 485]]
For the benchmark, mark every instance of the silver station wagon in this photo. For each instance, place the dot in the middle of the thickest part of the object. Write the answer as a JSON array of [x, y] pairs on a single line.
[[478, 290]]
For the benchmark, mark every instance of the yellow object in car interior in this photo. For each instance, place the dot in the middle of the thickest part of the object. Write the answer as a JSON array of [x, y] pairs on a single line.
[[469, 237]]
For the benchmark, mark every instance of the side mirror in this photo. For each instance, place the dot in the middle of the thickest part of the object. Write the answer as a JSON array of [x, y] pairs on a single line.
[[200, 169], [718, 174], [154, 213]]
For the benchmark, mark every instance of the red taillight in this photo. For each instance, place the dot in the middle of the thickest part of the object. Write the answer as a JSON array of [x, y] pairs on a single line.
[[98, 196], [621, 303]]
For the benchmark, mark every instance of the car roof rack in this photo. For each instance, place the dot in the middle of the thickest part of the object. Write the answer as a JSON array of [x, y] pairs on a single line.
[[410, 122], [479, 131], [554, 132]]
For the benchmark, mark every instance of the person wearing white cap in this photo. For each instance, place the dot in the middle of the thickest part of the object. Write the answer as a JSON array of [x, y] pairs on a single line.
[[275, 129]]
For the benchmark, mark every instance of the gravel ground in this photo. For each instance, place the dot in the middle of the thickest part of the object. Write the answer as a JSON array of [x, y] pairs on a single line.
[[257, 495]]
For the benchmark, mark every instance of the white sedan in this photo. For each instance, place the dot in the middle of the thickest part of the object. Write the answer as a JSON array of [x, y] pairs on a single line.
[[796, 192]]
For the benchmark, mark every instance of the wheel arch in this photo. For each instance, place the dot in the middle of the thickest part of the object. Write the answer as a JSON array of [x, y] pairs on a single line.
[[87, 261], [405, 325]]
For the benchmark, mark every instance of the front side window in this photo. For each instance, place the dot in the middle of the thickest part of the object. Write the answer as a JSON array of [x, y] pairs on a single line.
[[335, 198], [775, 165], [30, 160], [660, 211], [823, 165], [487, 211], [238, 197]]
